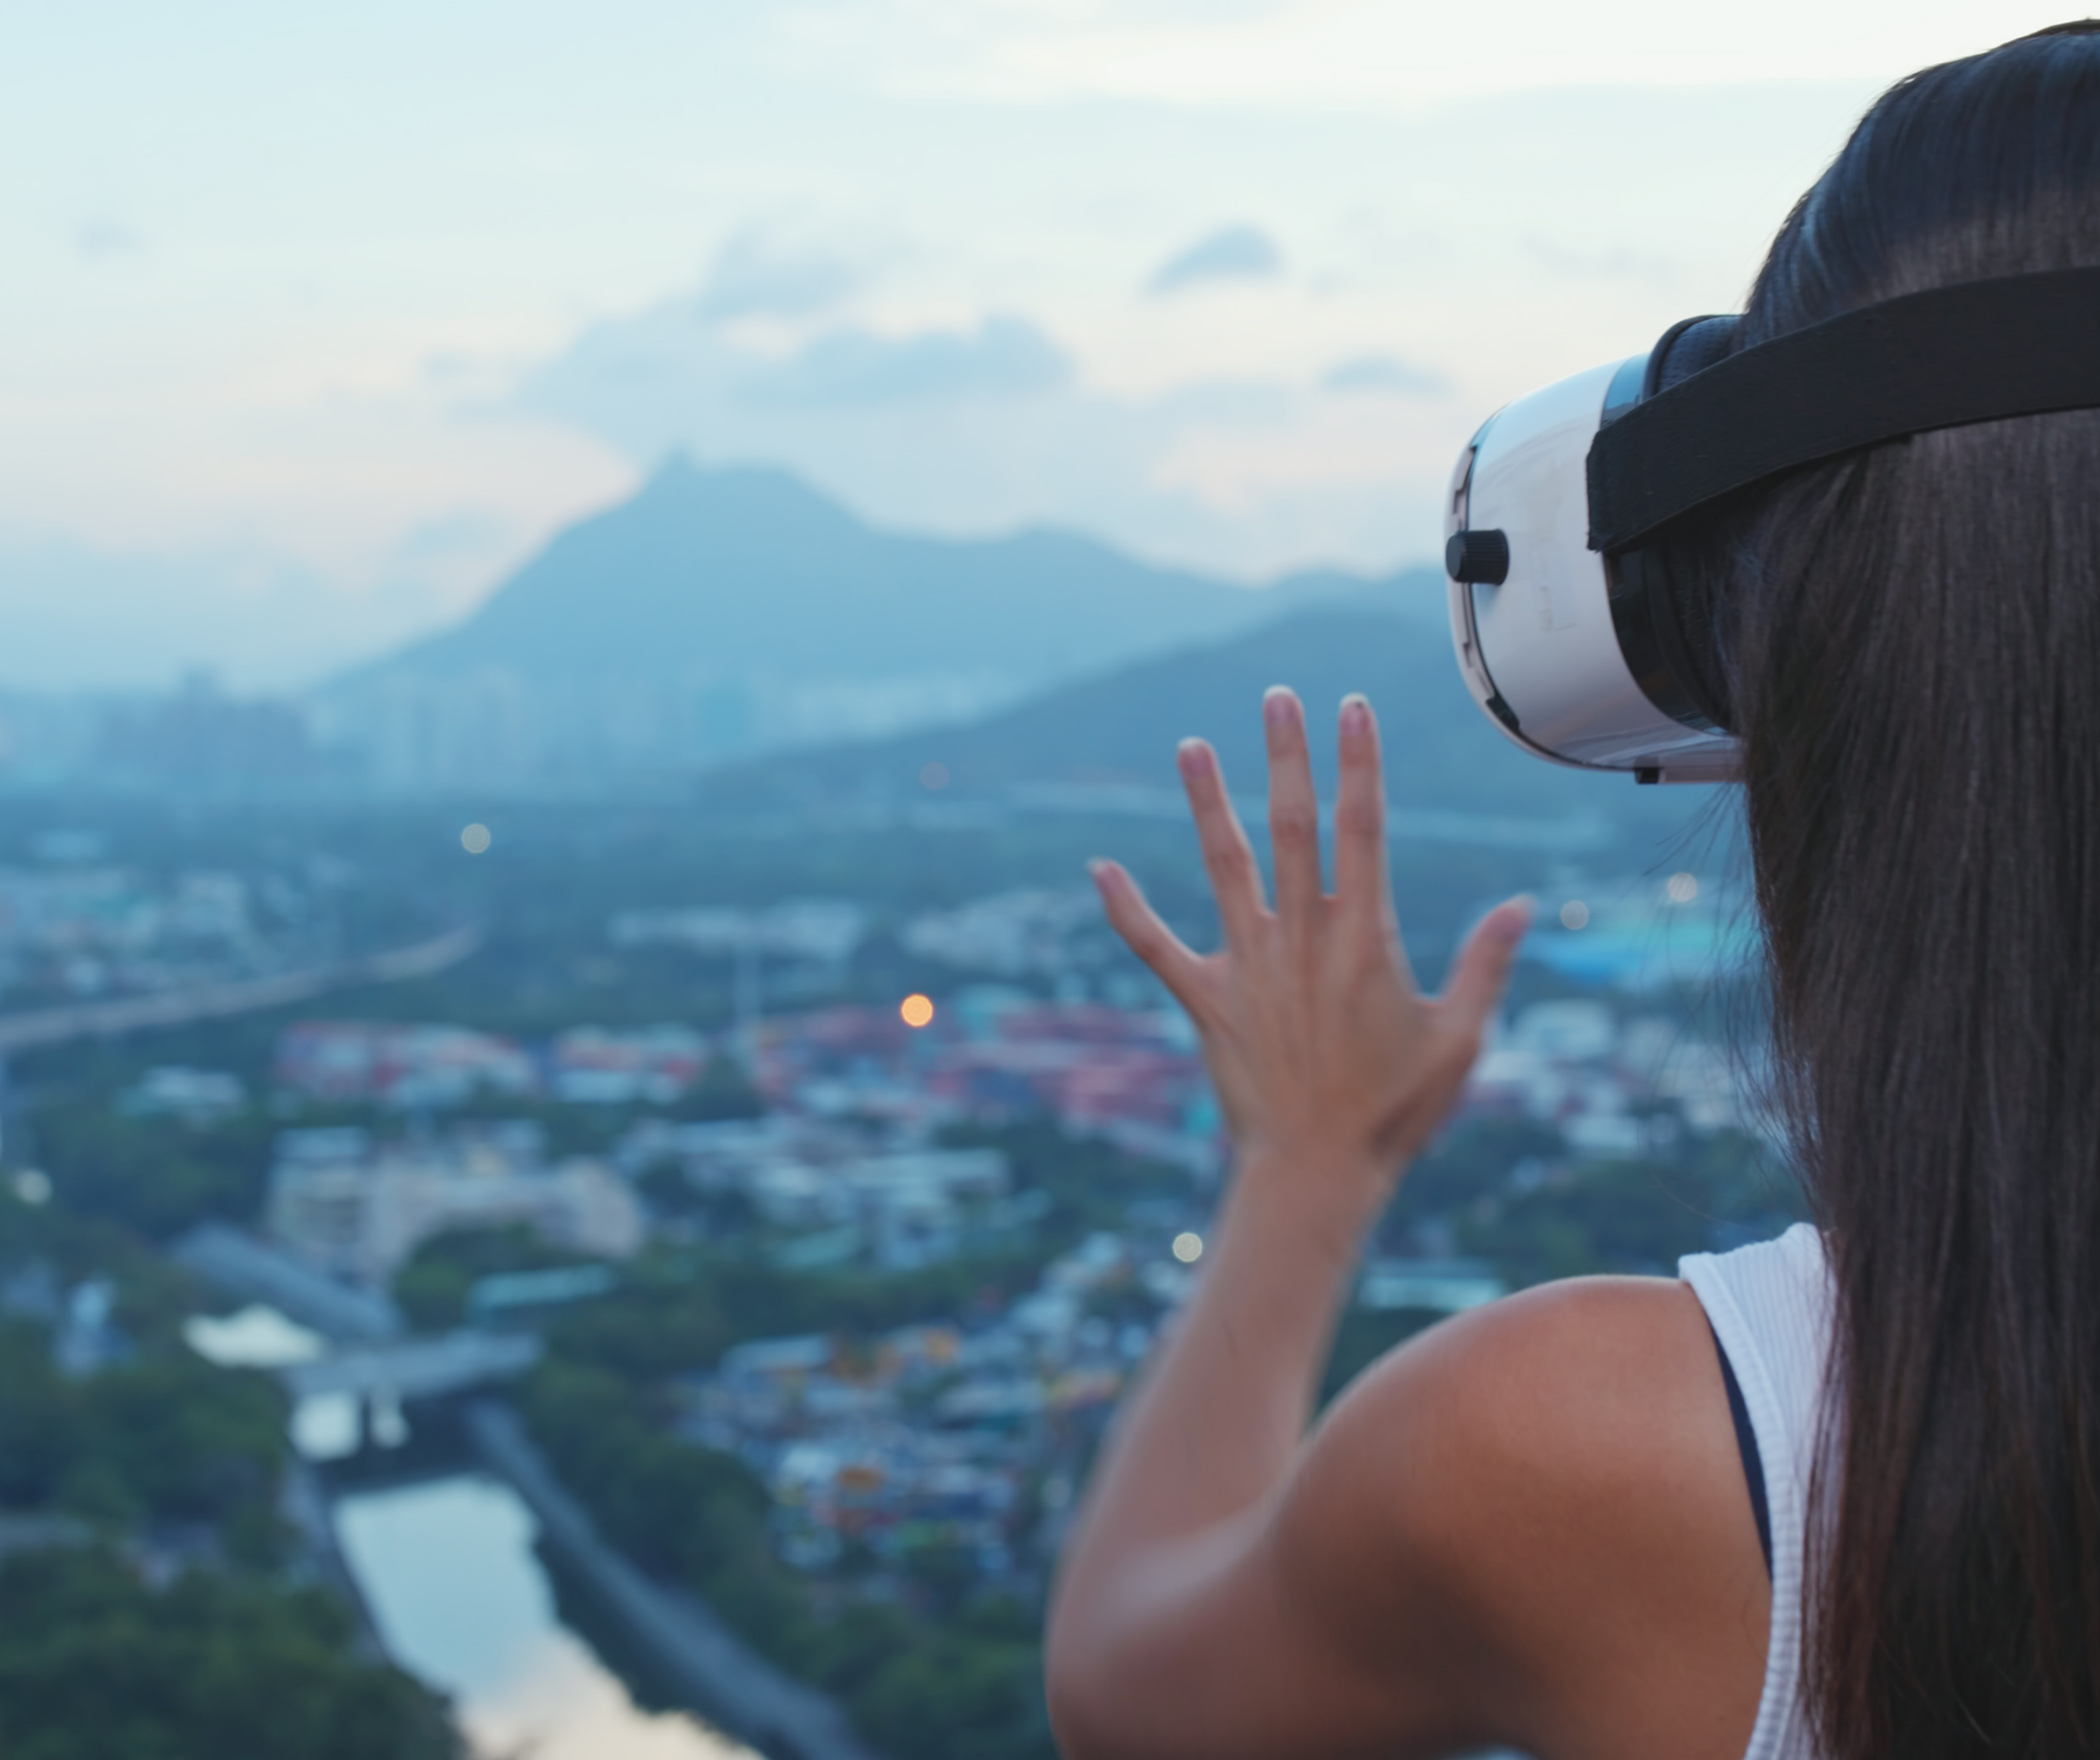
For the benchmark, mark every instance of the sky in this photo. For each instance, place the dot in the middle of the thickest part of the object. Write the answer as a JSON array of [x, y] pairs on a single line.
[[317, 320]]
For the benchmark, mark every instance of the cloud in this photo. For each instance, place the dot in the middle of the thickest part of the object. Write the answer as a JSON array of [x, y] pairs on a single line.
[[764, 271], [1005, 357], [985, 427], [100, 239], [1383, 374], [1231, 254], [473, 533]]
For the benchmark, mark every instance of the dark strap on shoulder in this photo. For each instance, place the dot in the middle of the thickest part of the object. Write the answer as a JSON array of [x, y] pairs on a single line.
[[1746, 1445], [1978, 351]]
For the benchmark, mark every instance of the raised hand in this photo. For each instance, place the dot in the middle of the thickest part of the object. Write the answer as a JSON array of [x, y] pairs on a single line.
[[1325, 1054]]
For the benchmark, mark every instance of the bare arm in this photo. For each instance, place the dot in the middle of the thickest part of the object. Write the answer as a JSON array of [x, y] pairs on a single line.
[[1235, 1588], [1333, 1069]]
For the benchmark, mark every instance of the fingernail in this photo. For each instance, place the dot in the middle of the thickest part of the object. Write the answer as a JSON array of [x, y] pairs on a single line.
[[1192, 754], [1355, 712], [1277, 704], [1509, 922]]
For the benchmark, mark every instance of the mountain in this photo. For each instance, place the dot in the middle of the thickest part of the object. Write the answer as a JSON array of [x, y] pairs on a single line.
[[730, 611], [1118, 733]]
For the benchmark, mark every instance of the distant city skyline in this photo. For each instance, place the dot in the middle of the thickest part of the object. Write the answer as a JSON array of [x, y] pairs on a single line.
[[319, 323]]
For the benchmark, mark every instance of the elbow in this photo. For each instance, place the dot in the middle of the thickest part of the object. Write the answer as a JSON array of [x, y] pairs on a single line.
[[1132, 1655]]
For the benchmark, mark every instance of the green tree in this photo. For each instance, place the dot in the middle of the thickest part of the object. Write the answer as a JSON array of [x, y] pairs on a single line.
[[157, 1175], [432, 1287], [165, 1435], [96, 1665]]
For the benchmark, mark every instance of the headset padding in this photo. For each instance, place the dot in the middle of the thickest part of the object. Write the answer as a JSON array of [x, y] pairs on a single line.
[[1695, 348]]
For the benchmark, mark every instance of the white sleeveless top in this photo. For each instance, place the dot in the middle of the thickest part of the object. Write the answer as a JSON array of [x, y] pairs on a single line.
[[1771, 1307]]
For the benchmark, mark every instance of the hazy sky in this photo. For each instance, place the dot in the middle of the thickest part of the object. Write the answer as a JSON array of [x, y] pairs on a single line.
[[317, 320]]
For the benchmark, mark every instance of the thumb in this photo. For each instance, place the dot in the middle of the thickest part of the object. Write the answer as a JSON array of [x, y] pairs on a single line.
[[1481, 972]]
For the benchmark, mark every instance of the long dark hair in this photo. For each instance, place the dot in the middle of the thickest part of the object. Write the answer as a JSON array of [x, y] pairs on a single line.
[[1911, 642]]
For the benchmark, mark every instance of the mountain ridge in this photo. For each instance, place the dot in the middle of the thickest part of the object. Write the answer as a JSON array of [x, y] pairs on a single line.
[[715, 531], [723, 613], [1118, 729]]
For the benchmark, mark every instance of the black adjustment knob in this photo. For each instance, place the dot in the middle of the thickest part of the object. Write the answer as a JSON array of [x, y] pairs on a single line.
[[1477, 556]]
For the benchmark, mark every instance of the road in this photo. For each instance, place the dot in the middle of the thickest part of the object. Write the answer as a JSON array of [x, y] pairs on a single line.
[[254, 1271], [177, 1008]]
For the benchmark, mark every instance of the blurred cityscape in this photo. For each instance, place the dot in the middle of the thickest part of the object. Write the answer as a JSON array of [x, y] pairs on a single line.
[[766, 1209]]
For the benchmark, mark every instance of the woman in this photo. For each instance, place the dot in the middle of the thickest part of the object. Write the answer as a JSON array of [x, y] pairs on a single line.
[[1868, 1524]]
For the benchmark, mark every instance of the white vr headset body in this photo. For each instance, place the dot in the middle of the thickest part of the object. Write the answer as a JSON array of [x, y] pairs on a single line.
[[1539, 650], [1570, 631]]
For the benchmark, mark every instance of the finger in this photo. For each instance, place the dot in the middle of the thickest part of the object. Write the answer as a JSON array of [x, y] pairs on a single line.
[[1361, 880], [1293, 809], [1227, 857], [1143, 932], [1481, 974]]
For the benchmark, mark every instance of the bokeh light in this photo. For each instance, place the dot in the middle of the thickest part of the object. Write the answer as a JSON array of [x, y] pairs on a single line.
[[1574, 914], [475, 839], [1682, 888], [1188, 1247], [917, 1010]]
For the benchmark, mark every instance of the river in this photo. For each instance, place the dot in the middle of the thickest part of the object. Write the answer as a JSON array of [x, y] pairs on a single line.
[[448, 1568]]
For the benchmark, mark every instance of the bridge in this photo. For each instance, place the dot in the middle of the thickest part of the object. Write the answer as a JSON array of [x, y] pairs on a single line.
[[372, 1363], [416, 1368]]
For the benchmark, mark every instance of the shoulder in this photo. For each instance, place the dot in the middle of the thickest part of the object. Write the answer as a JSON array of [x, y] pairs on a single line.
[[1551, 1481]]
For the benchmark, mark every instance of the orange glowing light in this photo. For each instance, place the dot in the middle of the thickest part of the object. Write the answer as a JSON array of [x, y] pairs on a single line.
[[917, 1010]]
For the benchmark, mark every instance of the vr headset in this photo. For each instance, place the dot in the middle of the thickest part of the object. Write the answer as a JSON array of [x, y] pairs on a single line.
[[1568, 506]]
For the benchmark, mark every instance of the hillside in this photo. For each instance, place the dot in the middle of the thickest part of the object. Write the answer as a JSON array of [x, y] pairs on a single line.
[[1120, 729], [729, 611]]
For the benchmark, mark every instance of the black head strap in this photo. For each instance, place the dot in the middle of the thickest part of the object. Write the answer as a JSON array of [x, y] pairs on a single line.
[[1979, 351]]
